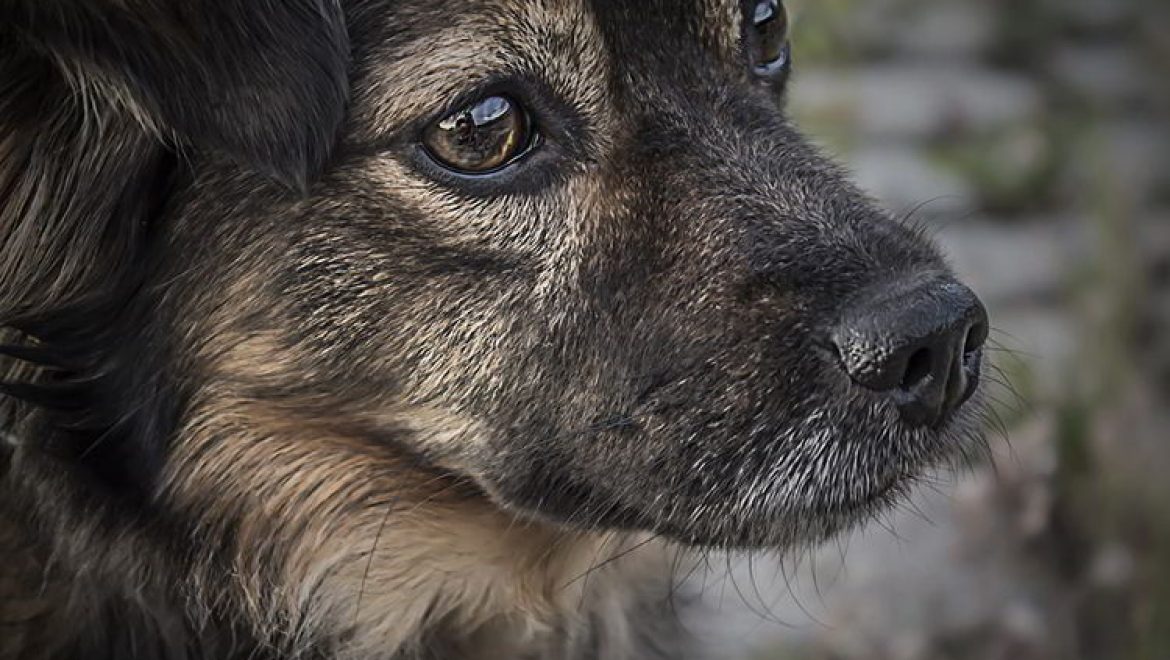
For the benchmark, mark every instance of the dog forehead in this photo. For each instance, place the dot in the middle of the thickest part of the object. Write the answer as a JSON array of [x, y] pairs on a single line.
[[415, 56], [646, 25]]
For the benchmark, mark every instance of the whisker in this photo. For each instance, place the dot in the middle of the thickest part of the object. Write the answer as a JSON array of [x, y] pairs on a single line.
[[610, 560], [370, 561]]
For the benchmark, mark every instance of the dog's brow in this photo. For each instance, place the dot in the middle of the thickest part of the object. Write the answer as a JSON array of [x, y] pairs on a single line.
[[555, 40], [417, 78]]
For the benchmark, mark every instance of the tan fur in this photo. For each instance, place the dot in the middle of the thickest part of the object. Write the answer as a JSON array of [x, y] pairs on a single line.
[[335, 535], [721, 25]]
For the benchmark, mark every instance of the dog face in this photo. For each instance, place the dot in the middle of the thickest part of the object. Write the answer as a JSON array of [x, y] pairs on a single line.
[[573, 253]]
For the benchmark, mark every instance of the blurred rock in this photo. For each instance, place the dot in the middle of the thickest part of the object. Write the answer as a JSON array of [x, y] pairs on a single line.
[[1136, 155], [905, 181], [1099, 15], [916, 101], [1104, 76], [1021, 620], [1024, 262], [947, 30], [1113, 567]]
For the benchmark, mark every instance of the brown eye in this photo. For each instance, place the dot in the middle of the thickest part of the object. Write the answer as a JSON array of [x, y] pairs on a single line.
[[769, 42], [479, 138]]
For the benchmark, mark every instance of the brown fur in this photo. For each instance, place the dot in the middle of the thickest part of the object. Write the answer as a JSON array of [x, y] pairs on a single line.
[[275, 383]]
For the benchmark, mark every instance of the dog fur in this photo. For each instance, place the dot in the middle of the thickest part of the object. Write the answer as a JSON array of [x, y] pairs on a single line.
[[277, 386]]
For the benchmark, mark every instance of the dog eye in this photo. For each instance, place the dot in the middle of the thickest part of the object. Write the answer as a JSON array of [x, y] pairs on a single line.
[[480, 138], [771, 50]]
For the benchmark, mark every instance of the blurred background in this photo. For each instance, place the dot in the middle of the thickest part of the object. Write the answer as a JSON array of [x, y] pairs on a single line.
[[1030, 137]]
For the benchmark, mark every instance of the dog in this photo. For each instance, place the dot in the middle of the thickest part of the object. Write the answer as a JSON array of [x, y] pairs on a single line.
[[423, 329]]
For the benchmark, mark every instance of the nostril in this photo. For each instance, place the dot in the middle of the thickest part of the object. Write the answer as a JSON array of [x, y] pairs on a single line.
[[918, 368], [975, 339]]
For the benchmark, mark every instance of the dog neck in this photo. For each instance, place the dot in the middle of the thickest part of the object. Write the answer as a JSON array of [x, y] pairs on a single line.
[[328, 547]]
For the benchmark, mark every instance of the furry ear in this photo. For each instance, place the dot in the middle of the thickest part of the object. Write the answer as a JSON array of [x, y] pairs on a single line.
[[262, 81], [100, 99]]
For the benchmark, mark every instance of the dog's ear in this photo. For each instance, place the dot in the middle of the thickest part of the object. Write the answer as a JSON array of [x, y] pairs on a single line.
[[100, 100], [262, 81]]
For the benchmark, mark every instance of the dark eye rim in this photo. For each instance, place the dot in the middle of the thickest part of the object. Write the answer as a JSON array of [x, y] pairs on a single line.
[[532, 136]]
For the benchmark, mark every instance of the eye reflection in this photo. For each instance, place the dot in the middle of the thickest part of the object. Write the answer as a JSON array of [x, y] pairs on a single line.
[[479, 138]]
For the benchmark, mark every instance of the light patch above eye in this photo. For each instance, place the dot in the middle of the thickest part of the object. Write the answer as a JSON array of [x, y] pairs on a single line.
[[768, 38]]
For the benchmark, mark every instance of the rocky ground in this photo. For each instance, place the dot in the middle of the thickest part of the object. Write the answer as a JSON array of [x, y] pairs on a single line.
[[1030, 137]]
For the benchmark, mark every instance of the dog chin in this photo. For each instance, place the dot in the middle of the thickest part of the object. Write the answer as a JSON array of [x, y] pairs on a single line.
[[770, 514], [861, 460]]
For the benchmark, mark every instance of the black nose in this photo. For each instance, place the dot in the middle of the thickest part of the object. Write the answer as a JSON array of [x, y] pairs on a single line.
[[919, 341]]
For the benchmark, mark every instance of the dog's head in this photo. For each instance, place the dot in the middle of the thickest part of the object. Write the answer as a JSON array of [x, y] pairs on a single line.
[[570, 251]]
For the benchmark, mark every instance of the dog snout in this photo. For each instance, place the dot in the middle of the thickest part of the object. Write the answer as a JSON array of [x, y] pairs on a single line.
[[919, 342]]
